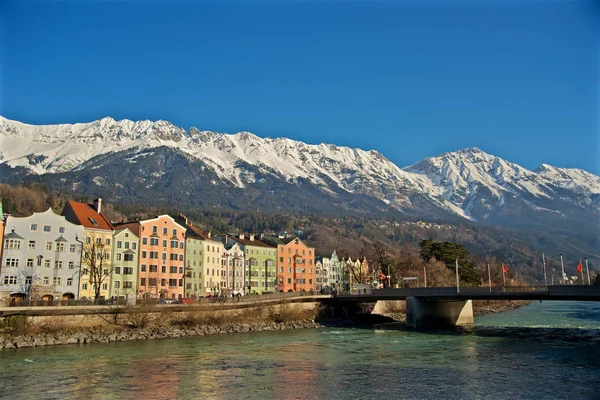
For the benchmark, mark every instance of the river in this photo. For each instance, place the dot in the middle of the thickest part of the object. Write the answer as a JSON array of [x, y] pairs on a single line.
[[548, 350]]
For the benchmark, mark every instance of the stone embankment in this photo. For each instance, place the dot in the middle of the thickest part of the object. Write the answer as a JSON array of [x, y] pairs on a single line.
[[119, 334]]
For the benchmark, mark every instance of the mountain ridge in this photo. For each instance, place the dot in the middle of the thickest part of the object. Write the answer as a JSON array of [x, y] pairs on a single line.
[[469, 183]]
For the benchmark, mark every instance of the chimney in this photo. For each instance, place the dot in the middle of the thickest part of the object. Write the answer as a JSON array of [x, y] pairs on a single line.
[[98, 205], [209, 235], [241, 235], [251, 237]]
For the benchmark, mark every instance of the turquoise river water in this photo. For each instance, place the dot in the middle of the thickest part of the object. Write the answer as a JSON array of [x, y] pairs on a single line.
[[547, 350]]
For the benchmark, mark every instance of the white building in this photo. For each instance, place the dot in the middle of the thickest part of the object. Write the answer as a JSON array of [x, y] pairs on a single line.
[[41, 258]]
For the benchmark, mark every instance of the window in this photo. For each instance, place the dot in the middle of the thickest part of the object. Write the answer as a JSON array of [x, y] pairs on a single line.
[[47, 228], [85, 271], [69, 281], [105, 272], [93, 221], [173, 257], [152, 282], [31, 245], [181, 257], [143, 253], [46, 280], [172, 282], [105, 286], [154, 268], [84, 286], [72, 248], [163, 269], [164, 256], [56, 281], [164, 243], [143, 282], [58, 264], [143, 268], [127, 271], [126, 245], [117, 270], [174, 244], [154, 228], [117, 284], [60, 246], [48, 246], [173, 270], [154, 255], [153, 241], [71, 265], [29, 263], [61, 229], [144, 240], [127, 257], [126, 234], [128, 284], [118, 256], [13, 244], [163, 282], [181, 245], [98, 240], [174, 232], [119, 243], [33, 227], [165, 230], [88, 240], [107, 241], [46, 263], [133, 245], [10, 280], [12, 262]]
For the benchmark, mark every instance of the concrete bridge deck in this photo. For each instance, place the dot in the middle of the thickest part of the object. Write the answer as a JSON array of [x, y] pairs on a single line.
[[578, 293]]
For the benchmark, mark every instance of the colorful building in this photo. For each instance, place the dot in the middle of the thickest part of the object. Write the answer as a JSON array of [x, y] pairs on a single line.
[[260, 264], [124, 276], [161, 256], [296, 263], [210, 270], [96, 266], [234, 266], [41, 258]]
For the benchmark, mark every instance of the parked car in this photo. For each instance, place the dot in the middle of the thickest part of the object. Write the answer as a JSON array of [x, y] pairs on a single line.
[[169, 301]]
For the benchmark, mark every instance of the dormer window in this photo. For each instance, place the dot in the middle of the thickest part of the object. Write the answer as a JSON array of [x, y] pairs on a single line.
[[93, 221]]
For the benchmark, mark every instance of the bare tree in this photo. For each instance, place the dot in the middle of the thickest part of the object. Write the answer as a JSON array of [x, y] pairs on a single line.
[[96, 260]]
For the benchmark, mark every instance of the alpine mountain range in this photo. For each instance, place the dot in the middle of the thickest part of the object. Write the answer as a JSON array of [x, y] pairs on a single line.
[[159, 163]]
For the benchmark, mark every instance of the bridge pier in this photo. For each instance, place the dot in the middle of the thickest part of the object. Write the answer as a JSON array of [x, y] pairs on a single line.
[[424, 313]]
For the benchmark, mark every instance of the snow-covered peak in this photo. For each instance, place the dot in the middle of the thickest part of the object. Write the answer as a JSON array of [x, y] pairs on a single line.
[[571, 178]]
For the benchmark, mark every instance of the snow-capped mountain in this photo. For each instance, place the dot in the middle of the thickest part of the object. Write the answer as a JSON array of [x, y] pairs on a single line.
[[126, 158]]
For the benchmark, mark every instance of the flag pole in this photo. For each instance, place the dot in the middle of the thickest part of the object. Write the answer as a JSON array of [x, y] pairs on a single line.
[[545, 275], [503, 276], [489, 277], [457, 281], [588, 271], [582, 278], [562, 265], [425, 275]]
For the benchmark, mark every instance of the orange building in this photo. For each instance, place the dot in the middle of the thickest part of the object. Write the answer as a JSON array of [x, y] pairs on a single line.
[[295, 264], [161, 256]]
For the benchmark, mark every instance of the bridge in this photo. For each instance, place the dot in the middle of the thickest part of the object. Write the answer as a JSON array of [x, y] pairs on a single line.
[[450, 306]]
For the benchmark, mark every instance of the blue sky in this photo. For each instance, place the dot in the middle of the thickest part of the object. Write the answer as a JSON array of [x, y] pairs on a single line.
[[411, 79]]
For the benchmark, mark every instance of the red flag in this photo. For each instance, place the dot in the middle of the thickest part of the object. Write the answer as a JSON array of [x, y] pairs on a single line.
[[579, 267], [504, 269]]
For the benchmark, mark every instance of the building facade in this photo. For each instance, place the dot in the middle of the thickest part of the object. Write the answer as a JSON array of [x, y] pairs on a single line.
[[124, 276], [260, 263], [161, 258], [41, 258], [96, 268], [234, 266], [295, 263]]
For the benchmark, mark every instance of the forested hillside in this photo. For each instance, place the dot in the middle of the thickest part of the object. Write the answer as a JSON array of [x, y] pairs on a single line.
[[386, 242]]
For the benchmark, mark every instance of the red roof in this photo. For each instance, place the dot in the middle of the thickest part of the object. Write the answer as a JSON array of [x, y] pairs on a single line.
[[87, 216]]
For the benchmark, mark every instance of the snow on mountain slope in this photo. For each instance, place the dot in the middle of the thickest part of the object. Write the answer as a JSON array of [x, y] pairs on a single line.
[[467, 182], [571, 178]]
